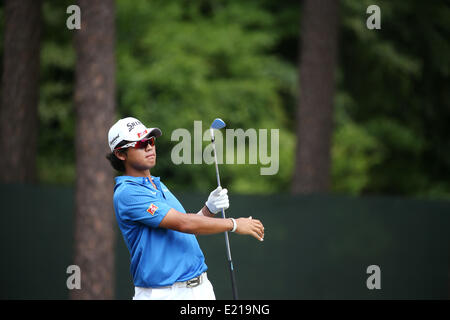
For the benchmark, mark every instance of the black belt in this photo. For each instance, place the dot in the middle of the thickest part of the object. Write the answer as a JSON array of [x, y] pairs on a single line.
[[192, 283]]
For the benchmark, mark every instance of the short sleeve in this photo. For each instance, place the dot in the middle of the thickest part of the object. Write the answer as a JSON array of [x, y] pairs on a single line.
[[137, 204]]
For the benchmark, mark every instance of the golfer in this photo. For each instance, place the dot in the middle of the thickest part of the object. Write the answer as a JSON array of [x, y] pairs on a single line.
[[166, 260]]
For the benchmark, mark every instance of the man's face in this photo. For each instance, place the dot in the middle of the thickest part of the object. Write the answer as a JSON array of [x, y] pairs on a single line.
[[141, 158]]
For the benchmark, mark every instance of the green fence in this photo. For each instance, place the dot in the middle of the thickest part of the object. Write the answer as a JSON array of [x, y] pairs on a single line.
[[316, 247]]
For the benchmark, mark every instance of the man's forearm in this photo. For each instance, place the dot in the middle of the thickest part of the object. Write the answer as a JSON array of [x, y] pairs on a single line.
[[195, 223], [199, 224]]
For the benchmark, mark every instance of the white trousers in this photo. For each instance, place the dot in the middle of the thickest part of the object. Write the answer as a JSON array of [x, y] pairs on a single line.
[[177, 291]]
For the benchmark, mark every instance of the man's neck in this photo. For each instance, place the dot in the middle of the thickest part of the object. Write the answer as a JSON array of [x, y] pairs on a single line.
[[138, 173]]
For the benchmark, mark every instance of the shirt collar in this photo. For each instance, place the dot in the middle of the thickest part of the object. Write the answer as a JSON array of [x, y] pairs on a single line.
[[121, 179]]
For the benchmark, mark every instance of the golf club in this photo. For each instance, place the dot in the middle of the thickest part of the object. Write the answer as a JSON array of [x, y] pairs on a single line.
[[219, 124]]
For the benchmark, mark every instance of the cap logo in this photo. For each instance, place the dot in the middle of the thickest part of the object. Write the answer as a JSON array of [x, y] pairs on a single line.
[[114, 139], [133, 124], [142, 133]]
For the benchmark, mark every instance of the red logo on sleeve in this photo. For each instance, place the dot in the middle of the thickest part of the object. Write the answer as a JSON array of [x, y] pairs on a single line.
[[152, 209]]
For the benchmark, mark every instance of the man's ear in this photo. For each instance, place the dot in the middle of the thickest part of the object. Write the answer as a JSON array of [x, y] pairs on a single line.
[[120, 155]]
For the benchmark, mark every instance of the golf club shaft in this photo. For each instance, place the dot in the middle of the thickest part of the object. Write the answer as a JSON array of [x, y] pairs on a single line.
[[227, 241]]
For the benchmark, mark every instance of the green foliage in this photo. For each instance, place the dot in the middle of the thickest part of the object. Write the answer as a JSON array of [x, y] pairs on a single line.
[[56, 147], [181, 61], [355, 151], [398, 78]]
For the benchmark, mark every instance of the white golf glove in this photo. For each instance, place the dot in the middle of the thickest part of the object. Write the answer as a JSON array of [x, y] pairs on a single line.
[[218, 200]]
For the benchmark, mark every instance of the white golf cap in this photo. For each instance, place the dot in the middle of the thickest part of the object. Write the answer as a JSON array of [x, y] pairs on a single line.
[[129, 129]]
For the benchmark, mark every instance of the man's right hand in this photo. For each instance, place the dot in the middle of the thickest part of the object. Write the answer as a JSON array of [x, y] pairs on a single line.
[[250, 226]]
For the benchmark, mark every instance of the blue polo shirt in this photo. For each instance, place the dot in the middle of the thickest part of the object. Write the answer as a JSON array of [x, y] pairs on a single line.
[[159, 256]]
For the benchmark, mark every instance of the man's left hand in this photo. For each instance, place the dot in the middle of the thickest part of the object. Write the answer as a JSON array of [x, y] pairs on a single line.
[[218, 200]]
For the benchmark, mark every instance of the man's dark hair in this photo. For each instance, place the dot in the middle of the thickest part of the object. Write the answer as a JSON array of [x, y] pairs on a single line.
[[115, 162]]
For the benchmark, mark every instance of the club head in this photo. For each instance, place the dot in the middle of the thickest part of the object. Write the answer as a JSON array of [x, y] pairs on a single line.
[[218, 124]]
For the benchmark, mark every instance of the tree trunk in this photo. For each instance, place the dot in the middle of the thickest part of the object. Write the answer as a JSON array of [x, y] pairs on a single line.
[[314, 117], [95, 106], [20, 87]]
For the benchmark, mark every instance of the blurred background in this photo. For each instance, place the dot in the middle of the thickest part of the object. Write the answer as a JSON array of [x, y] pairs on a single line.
[[364, 140]]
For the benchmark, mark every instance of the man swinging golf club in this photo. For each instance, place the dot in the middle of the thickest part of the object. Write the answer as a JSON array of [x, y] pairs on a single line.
[[166, 260]]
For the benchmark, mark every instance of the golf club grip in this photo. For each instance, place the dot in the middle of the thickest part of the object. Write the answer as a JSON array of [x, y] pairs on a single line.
[[233, 282]]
